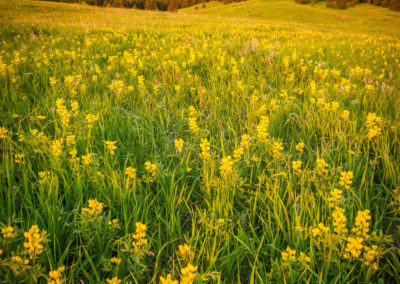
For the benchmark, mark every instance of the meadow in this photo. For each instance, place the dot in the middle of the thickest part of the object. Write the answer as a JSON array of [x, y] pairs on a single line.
[[227, 144]]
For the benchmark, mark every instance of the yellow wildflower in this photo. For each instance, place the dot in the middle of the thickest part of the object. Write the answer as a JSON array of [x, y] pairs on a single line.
[[110, 145], [139, 236], [300, 147], [53, 81], [370, 254], [168, 280], [3, 133], [8, 232], [34, 241], [361, 228], [70, 140], [322, 167], [75, 108], [114, 280], [185, 251], [245, 141], [354, 246], [288, 255], [18, 158], [238, 153], [346, 179], [319, 230], [115, 260], [45, 177], [130, 172], [192, 120], [226, 167], [57, 147], [345, 115], [179, 145], [262, 129], [339, 221], [304, 258], [205, 149], [55, 276], [188, 274], [63, 112], [87, 159], [94, 207], [151, 168], [19, 260], [373, 123], [297, 166], [334, 197], [90, 119], [277, 149]]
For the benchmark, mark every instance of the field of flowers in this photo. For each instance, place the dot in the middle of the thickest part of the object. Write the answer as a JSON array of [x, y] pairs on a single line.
[[185, 149]]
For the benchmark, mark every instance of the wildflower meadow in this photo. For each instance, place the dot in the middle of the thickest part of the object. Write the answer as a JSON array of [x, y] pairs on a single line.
[[201, 146]]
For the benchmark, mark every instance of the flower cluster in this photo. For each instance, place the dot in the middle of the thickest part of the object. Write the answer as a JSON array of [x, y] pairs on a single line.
[[44, 177], [57, 147], [114, 280], [361, 228], [87, 159], [3, 133], [188, 274], [277, 149], [226, 167], [288, 255], [130, 173], [370, 254], [245, 141], [34, 241], [238, 153], [63, 112], [373, 124], [205, 149], [8, 232], [91, 119], [354, 247], [110, 146], [186, 252], [296, 165], [262, 129], [322, 167], [339, 221], [56, 276], [140, 236], [94, 208], [179, 145], [168, 280], [319, 230], [300, 147], [334, 197], [346, 179], [151, 170], [193, 120]]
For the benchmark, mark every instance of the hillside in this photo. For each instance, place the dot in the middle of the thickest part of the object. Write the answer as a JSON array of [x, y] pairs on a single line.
[[361, 18]]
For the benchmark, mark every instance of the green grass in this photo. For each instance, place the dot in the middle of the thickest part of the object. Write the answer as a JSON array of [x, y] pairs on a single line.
[[152, 78], [361, 18]]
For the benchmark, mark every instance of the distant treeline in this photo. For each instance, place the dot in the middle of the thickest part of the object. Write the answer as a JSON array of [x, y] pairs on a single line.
[[162, 5], [343, 4]]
